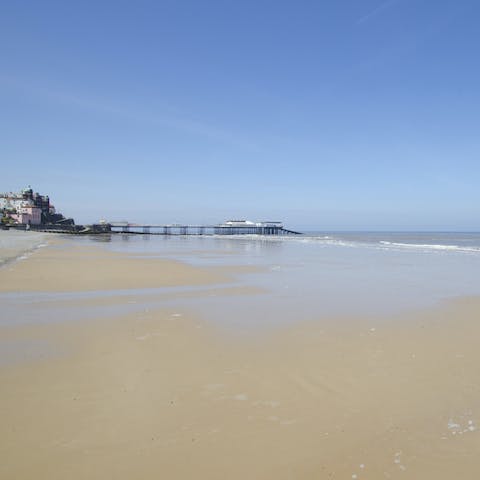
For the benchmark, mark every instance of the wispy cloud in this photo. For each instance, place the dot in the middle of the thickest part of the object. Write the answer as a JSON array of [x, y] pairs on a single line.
[[169, 118], [383, 6]]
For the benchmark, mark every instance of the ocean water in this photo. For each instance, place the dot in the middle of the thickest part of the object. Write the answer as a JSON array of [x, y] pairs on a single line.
[[319, 275], [466, 242]]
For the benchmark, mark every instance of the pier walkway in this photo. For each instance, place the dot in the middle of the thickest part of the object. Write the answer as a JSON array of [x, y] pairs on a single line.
[[176, 229]]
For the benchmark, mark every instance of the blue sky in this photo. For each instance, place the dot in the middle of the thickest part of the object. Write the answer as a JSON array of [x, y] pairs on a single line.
[[335, 114]]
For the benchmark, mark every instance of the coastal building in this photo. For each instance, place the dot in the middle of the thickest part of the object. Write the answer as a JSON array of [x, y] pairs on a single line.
[[29, 208]]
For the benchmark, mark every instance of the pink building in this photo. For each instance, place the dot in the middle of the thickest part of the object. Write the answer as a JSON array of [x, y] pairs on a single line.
[[28, 215]]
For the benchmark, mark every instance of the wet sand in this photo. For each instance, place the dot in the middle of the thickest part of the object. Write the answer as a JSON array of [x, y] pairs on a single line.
[[167, 394], [66, 269]]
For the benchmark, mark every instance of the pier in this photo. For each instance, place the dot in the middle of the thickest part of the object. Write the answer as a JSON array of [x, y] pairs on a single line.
[[227, 228], [232, 227]]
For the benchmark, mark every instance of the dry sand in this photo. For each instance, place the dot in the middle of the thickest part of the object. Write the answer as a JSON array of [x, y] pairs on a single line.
[[165, 394]]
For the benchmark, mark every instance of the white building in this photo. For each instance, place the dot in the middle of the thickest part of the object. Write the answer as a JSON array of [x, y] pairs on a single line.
[[248, 223]]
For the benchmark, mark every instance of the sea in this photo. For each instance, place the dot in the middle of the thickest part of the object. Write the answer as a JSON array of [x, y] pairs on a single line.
[[316, 275]]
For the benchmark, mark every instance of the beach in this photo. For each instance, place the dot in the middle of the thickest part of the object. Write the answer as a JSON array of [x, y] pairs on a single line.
[[197, 360]]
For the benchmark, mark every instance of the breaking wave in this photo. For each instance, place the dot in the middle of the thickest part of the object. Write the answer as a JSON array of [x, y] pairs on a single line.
[[428, 246], [375, 242]]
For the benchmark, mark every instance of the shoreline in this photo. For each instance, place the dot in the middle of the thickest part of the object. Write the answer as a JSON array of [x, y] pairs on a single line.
[[14, 244], [165, 391]]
